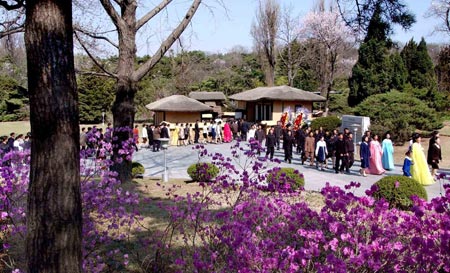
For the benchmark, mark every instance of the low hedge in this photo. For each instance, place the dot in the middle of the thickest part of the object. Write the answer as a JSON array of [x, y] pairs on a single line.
[[278, 177], [137, 170], [203, 172], [398, 190]]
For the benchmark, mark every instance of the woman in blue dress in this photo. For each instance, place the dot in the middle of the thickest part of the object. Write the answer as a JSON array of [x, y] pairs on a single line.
[[364, 153], [388, 153]]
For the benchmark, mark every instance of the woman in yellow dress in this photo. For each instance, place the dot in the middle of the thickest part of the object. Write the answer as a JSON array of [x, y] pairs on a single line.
[[419, 170], [174, 136]]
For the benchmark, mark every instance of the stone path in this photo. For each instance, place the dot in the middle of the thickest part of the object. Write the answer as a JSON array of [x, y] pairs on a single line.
[[179, 158]]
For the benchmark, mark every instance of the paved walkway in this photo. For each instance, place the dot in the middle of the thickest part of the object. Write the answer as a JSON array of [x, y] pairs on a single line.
[[179, 158]]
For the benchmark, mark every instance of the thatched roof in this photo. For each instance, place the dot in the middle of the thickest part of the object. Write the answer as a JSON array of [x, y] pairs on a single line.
[[285, 93], [178, 103], [207, 96]]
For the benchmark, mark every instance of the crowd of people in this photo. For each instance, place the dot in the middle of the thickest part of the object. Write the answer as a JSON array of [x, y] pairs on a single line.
[[319, 148], [14, 142]]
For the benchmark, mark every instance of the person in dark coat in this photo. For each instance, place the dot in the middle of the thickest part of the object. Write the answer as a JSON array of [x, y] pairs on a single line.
[[300, 139], [150, 129], [260, 136], [278, 131], [341, 154], [435, 156], [270, 143], [350, 152], [164, 131], [434, 136], [245, 126], [364, 153], [196, 131], [288, 143], [11, 139]]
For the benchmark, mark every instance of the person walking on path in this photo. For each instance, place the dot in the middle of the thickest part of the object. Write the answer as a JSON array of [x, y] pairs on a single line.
[[436, 155], [350, 152], [270, 143], [196, 131], [388, 153], [156, 137], [364, 153], [420, 171], [174, 138], [288, 142], [321, 151], [341, 154], [278, 130], [227, 134], [376, 165], [407, 163], [434, 136], [309, 148], [144, 133]]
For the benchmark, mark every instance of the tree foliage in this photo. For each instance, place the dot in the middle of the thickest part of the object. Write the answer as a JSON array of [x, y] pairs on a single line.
[[419, 65], [443, 70], [358, 14], [13, 100], [96, 95]]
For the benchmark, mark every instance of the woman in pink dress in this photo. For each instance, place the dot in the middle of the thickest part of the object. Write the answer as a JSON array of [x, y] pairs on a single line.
[[227, 132], [376, 152]]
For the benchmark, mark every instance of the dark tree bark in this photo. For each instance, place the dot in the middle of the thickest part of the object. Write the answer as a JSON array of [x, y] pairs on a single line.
[[54, 219]]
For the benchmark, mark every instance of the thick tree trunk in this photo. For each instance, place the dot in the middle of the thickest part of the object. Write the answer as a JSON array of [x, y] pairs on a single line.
[[270, 75], [123, 116], [54, 219]]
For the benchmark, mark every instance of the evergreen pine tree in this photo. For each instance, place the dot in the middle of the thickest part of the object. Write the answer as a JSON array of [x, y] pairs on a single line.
[[423, 74], [409, 55], [371, 73], [419, 65], [398, 72]]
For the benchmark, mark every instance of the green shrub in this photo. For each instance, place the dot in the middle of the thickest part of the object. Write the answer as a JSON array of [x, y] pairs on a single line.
[[203, 172], [137, 169], [399, 113], [279, 176], [327, 123], [398, 190]]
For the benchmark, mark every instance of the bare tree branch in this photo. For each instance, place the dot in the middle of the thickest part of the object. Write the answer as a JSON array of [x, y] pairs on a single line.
[[150, 63], [115, 17], [11, 31], [96, 62], [91, 73], [95, 36], [141, 22]]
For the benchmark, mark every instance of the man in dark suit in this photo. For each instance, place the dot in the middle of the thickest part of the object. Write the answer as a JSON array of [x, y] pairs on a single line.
[[196, 132], [341, 154]]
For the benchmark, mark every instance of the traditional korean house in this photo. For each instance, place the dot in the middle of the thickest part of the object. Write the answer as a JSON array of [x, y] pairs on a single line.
[[178, 108], [267, 104]]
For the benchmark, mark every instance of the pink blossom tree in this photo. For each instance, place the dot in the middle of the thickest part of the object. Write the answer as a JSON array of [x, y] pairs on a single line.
[[333, 37]]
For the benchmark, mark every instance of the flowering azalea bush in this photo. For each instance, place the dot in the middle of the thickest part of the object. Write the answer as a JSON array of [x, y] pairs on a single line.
[[239, 228], [108, 210]]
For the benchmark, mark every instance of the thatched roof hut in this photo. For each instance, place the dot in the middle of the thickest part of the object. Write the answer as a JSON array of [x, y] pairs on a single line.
[[207, 96], [178, 103], [178, 109], [284, 93]]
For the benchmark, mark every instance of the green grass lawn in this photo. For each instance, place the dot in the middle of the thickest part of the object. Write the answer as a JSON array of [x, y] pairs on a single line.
[[23, 127]]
